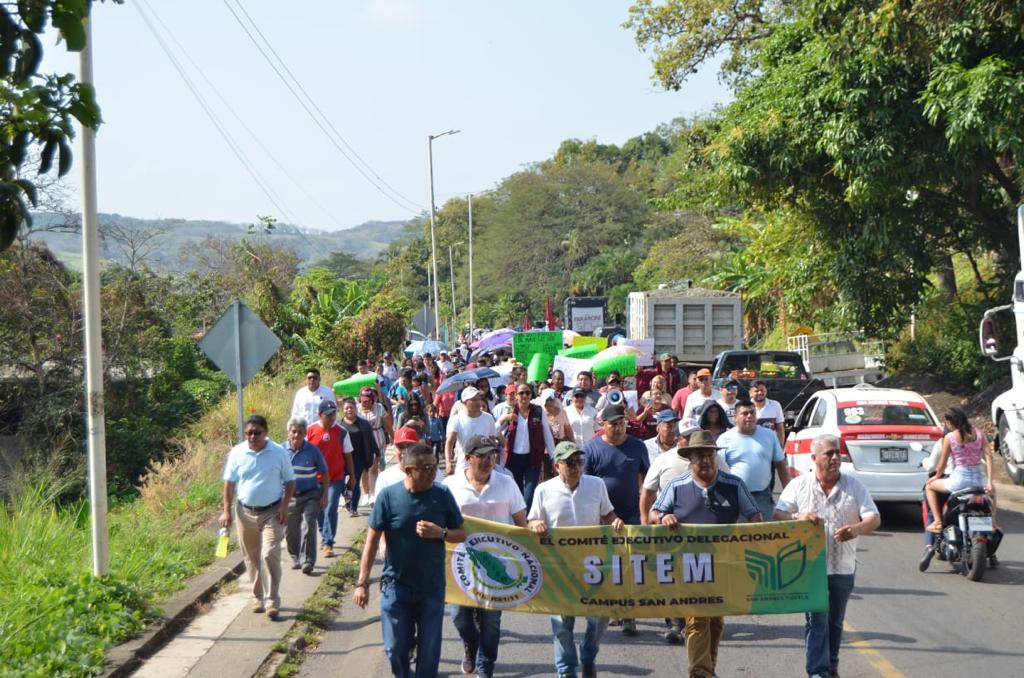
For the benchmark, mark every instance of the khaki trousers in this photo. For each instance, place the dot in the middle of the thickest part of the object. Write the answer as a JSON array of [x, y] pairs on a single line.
[[260, 534], [703, 634]]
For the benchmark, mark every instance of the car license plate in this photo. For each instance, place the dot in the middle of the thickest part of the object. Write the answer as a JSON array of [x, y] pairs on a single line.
[[894, 455], [979, 523]]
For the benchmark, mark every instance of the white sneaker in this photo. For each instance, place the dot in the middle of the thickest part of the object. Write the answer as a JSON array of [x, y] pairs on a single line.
[[364, 500]]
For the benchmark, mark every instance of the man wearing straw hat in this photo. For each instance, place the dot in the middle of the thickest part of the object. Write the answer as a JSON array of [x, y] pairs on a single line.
[[703, 496]]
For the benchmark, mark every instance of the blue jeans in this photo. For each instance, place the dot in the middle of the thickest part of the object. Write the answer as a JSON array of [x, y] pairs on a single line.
[[329, 520], [357, 473], [764, 502], [526, 478], [403, 613], [565, 645], [823, 631], [480, 630]]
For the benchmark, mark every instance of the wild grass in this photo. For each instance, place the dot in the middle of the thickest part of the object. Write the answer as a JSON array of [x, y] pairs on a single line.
[[56, 619]]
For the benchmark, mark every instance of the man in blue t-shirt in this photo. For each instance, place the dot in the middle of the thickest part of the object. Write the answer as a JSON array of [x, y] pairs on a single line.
[[753, 453], [417, 517], [621, 461]]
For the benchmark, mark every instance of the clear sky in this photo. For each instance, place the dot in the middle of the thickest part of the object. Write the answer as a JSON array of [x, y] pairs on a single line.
[[516, 78]]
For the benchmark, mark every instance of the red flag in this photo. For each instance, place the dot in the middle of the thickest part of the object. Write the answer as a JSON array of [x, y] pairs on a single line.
[[526, 321], [549, 315]]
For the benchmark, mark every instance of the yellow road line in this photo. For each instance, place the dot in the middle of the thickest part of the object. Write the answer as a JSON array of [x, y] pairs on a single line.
[[874, 657]]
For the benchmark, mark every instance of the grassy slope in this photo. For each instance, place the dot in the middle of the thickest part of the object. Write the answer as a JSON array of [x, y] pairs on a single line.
[[56, 618]]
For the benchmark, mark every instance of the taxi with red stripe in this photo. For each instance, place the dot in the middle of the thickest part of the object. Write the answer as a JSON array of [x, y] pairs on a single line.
[[885, 435]]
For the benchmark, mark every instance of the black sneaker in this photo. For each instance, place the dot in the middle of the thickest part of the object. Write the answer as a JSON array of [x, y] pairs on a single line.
[[589, 671], [926, 558], [673, 635], [628, 627], [468, 660]]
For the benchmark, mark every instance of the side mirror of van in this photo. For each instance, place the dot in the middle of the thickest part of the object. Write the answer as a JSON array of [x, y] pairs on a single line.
[[988, 338]]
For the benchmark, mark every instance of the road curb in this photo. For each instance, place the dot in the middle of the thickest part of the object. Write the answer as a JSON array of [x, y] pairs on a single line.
[[178, 611]]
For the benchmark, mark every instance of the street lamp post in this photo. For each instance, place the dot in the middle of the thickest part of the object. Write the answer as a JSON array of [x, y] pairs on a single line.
[[433, 239], [451, 274], [471, 328]]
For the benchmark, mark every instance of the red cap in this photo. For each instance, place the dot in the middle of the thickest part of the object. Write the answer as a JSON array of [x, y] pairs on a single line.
[[406, 434], [511, 388]]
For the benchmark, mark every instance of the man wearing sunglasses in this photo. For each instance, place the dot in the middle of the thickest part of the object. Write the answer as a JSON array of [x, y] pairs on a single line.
[[481, 492], [417, 517], [308, 398], [695, 401], [571, 500], [259, 483], [703, 496]]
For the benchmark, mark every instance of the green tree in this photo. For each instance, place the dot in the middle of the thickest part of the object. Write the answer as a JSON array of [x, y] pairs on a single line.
[[37, 110]]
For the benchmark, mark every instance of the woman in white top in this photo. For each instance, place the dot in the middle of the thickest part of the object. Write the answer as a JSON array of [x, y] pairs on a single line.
[[380, 421]]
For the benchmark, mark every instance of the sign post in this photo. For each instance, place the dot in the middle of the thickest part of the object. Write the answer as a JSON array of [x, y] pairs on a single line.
[[240, 344]]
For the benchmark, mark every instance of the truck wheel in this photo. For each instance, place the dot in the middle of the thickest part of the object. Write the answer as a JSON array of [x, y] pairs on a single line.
[[1013, 469]]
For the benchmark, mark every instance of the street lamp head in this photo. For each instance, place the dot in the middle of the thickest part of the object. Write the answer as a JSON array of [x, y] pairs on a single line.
[[438, 136]]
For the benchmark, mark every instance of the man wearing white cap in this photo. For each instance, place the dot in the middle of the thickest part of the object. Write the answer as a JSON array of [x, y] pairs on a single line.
[[470, 421]]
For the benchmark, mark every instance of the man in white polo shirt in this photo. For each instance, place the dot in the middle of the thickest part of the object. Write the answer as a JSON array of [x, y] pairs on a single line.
[[471, 421], [307, 399], [844, 506], [481, 492], [573, 499]]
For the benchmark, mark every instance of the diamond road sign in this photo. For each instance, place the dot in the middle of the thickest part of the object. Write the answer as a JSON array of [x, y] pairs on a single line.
[[240, 343]]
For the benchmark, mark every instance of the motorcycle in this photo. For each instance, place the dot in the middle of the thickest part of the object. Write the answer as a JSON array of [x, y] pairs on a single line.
[[967, 539]]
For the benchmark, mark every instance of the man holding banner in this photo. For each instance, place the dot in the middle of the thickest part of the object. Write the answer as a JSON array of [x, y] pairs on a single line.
[[480, 492], [844, 505], [704, 496], [572, 500], [621, 461]]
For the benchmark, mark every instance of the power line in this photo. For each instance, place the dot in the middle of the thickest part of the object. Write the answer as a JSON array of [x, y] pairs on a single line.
[[318, 109], [235, 149], [415, 209], [240, 120]]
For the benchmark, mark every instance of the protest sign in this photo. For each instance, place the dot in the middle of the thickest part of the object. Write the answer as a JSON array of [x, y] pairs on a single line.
[[525, 344], [540, 363], [599, 342], [586, 351], [571, 367], [349, 388], [644, 571], [645, 345], [625, 365]]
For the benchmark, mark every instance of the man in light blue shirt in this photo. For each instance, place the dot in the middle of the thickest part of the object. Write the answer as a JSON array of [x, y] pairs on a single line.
[[260, 473], [751, 452]]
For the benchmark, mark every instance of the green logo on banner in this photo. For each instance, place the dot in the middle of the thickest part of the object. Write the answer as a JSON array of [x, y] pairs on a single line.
[[777, 573]]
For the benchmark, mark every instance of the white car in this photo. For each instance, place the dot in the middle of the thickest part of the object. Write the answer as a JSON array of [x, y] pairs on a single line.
[[885, 435]]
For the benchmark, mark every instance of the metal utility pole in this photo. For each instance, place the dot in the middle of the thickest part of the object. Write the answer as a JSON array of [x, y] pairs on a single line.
[[95, 425], [470, 199], [451, 274], [433, 239]]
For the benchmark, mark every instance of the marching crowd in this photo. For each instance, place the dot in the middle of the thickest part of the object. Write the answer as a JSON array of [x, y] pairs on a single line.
[[538, 455]]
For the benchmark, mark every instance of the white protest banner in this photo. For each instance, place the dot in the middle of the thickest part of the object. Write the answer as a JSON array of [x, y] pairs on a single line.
[[571, 367], [645, 345]]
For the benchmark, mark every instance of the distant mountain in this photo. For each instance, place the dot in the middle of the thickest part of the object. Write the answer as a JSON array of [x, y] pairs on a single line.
[[364, 241]]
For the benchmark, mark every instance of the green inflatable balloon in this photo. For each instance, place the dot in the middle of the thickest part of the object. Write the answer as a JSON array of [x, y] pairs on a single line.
[[625, 365], [538, 368], [583, 351], [350, 387]]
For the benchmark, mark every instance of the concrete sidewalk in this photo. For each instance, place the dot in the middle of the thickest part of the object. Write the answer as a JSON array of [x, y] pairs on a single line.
[[229, 640]]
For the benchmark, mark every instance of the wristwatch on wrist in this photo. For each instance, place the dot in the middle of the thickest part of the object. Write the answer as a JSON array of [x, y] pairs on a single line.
[[363, 585], [444, 533]]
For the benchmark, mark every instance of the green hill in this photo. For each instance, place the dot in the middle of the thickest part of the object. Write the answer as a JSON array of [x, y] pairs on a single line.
[[166, 239]]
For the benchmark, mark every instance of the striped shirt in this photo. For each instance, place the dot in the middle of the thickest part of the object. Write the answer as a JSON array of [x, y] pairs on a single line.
[[306, 461], [724, 501]]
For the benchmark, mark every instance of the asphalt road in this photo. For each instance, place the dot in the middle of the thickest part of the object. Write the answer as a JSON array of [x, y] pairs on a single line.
[[901, 623]]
